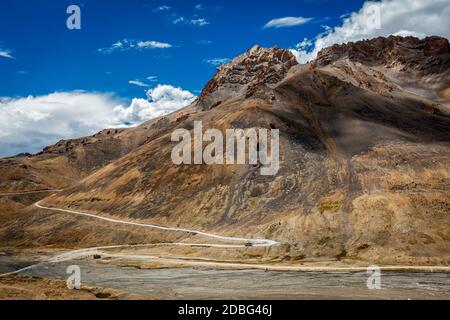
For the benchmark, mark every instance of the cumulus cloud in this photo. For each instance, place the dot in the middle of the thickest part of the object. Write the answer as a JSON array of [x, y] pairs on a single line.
[[217, 61], [402, 17], [161, 100], [287, 22], [31, 123], [130, 44], [4, 53]]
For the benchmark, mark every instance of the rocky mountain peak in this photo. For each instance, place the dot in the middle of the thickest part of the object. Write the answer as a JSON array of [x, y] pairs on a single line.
[[256, 69], [428, 55]]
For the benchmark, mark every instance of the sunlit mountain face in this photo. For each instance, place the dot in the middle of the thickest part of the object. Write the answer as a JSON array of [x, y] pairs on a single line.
[[149, 149]]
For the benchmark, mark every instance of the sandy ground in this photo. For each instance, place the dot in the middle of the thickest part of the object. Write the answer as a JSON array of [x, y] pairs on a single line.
[[34, 288]]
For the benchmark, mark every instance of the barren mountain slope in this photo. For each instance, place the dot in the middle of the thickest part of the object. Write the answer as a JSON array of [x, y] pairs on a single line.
[[66, 162], [364, 147]]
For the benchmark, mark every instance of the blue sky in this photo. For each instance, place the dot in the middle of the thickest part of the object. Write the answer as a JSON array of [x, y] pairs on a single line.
[[49, 57], [136, 60]]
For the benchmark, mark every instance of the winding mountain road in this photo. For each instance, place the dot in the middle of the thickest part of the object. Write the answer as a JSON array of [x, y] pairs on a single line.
[[255, 242], [76, 254], [81, 253]]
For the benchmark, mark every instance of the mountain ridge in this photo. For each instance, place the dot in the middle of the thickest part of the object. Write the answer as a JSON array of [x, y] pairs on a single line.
[[364, 157]]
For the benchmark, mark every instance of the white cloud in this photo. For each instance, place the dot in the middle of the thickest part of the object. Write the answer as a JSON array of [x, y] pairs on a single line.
[[200, 22], [31, 123], [304, 44], [407, 33], [199, 7], [141, 83], [194, 21], [180, 20], [161, 100], [287, 22], [138, 83], [217, 61], [403, 17], [153, 45], [152, 78], [6, 54], [163, 8], [130, 44]]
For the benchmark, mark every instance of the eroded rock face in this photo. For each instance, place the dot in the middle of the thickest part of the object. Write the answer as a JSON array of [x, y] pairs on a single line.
[[428, 55], [247, 74]]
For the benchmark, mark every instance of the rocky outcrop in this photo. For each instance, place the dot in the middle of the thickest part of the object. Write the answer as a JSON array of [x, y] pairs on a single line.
[[246, 75], [428, 55]]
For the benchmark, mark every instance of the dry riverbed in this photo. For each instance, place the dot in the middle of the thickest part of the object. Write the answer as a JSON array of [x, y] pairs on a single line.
[[125, 279]]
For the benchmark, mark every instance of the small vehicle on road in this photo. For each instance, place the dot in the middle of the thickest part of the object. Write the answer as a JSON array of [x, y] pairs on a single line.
[[248, 244]]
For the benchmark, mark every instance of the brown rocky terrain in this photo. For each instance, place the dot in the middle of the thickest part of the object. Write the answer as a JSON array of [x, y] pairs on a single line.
[[364, 168]]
